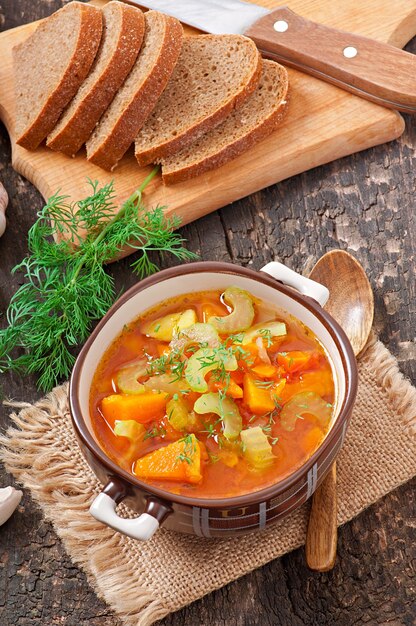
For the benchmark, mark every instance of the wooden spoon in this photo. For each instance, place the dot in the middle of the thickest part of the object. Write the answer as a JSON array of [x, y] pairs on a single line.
[[351, 303]]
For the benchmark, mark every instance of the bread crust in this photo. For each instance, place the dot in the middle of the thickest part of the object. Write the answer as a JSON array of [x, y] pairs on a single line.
[[112, 149], [171, 146], [231, 151], [89, 36], [81, 123]]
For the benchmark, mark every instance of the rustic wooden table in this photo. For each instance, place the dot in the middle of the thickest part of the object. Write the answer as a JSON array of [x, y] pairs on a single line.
[[364, 204]]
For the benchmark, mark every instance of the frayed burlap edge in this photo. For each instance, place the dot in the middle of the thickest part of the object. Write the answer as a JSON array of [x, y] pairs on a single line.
[[401, 395], [97, 549]]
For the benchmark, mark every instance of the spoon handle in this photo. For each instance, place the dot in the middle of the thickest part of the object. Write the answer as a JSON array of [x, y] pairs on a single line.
[[321, 539]]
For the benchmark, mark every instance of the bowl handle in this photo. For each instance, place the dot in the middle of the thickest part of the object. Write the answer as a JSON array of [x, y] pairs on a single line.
[[143, 527], [304, 285]]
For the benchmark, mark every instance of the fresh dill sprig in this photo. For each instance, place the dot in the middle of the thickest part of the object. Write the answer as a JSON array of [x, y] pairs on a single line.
[[188, 450], [66, 287]]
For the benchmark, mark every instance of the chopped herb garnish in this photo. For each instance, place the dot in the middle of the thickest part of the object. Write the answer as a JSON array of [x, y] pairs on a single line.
[[267, 335], [238, 338], [209, 430], [264, 384], [277, 401], [188, 451], [155, 432]]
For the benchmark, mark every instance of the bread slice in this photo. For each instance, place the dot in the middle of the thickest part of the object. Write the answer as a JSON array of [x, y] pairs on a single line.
[[50, 66], [137, 97], [120, 44], [256, 119], [214, 75]]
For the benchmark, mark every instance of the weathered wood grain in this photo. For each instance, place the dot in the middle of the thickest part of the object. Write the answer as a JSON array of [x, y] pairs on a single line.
[[322, 123], [363, 203]]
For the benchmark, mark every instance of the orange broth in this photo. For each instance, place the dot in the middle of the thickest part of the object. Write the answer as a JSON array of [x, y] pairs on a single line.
[[222, 476]]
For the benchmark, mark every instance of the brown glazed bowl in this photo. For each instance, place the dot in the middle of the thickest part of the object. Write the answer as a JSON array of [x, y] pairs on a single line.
[[255, 511]]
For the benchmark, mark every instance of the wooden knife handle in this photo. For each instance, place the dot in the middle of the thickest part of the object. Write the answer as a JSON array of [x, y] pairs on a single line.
[[368, 68], [321, 539]]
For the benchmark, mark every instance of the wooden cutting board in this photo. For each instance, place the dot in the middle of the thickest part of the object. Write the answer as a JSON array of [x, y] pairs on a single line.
[[323, 123]]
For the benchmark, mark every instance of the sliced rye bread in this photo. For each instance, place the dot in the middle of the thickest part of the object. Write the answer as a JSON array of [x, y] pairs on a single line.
[[142, 88], [255, 120], [120, 44], [214, 75], [50, 66]]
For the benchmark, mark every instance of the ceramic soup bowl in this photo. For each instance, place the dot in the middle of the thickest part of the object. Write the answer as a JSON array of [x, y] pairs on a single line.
[[255, 511]]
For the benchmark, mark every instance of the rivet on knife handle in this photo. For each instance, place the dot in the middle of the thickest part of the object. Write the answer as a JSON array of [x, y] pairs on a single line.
[[371, 69]]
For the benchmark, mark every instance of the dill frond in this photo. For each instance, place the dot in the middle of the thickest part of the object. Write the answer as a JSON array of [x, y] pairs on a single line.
[[66, 287]]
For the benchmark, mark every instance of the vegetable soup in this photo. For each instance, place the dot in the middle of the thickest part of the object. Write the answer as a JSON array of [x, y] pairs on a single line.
[[213, 395]]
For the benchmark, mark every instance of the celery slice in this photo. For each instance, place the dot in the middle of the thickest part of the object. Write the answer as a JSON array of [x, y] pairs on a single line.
[[225, 408], [257, 448], [205, 360], [242, 315], [264, 330], [307, 402], [126, 378], [197, 333], [167, 383]]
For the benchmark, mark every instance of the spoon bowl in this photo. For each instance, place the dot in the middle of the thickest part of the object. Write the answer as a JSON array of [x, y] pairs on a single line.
[[351, 300], [351, 303]]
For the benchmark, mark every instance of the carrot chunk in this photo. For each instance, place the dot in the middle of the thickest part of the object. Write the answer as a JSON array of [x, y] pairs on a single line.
[[231, 389], [265, 371], [143, 407], [294, 361], [257, 399], [178, 461], [320, 382], [312, 439]]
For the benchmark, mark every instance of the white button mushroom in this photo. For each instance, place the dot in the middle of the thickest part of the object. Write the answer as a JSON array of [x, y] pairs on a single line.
[[9, 501], [4, 201]]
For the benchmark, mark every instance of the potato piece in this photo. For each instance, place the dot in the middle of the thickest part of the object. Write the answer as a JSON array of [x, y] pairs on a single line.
[[177, 413], [164, 328]]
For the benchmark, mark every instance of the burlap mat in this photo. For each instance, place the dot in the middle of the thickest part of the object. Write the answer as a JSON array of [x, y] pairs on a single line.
[[143, 582]]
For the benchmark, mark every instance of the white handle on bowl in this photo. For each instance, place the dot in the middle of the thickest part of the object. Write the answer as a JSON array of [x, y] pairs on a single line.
[[104, 510], [304, 285]]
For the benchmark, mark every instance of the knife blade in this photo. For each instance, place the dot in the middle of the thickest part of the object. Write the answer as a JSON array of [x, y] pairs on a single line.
[[370, 69]]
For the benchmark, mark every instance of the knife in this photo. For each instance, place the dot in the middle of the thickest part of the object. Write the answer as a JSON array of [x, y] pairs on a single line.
[[373, 70]]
